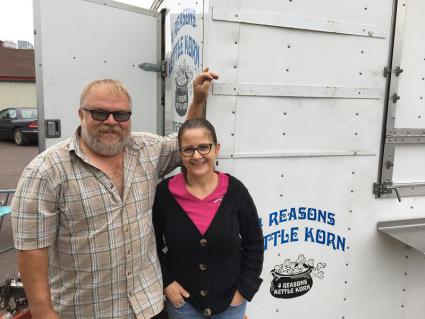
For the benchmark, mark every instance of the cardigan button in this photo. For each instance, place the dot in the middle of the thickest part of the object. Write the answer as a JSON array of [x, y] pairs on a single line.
[[203, 266], [207, 312], [203, 242], [204, 293]]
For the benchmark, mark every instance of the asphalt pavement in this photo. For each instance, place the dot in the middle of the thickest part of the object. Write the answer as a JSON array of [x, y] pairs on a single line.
[[13, 160]]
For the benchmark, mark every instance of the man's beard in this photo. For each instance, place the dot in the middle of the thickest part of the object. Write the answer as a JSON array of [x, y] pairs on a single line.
[[97, 146]]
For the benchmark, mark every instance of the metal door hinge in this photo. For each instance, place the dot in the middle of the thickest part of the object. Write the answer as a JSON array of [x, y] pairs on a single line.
[[387, 71], [385, 188], [395, 98], [397, 71]]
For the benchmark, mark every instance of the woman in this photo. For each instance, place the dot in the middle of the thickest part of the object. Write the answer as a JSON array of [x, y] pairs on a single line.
[[208, 235]]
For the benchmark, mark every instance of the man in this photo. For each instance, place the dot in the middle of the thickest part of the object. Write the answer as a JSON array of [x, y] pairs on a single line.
[[82, 212]]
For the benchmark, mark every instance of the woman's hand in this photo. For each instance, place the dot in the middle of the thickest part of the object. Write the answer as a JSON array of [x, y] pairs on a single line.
[[237, 300], [175, 293], [201, 85]]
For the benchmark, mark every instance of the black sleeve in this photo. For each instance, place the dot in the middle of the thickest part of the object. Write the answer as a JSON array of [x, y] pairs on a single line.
[[159, 224], [252, 247]]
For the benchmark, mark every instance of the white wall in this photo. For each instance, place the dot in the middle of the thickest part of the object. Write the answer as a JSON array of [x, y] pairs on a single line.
[[17, 94]]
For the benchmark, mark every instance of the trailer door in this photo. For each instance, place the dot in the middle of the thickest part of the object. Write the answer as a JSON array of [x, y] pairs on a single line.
[[402, 171], [77, 41]]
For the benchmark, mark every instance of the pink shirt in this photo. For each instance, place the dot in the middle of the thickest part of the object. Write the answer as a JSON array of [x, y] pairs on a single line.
[[200, 211]]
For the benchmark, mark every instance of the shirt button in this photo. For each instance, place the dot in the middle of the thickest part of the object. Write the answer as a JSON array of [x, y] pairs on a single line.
[[203, 266], [203, 242], [204, 293], [128, 273], [207, 312], [130, 294], [126, 229], [128, 252]]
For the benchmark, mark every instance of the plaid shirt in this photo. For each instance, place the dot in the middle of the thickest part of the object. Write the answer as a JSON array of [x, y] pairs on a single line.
[[102, 253]]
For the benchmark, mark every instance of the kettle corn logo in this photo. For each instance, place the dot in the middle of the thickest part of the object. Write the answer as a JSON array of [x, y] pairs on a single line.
[[183, 77], [295, 278]]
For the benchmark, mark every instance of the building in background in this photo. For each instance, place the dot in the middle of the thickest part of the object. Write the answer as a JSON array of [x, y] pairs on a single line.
[[17, 75]]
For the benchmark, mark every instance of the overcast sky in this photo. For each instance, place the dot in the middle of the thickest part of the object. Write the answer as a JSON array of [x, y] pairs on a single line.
[[16, 18]]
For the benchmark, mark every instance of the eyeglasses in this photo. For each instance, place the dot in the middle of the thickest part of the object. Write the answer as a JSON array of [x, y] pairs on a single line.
[[202, 149], [101, 115]]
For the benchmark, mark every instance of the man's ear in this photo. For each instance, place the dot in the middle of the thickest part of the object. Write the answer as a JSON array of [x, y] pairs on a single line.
[[80, 113]]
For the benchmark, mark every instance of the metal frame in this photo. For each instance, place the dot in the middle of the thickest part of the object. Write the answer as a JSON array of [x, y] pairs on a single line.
[[243, 89], [302, 23], [39, 76], [396, 136]]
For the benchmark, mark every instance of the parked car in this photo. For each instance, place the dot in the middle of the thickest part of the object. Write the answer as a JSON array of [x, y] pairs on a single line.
[[19, 124]]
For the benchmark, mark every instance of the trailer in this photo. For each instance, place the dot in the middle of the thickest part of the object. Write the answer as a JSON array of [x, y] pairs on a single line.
[[319, 110]]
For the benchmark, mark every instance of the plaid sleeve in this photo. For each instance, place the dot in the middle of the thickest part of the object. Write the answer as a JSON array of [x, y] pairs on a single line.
[[169, 156], [34, 211]]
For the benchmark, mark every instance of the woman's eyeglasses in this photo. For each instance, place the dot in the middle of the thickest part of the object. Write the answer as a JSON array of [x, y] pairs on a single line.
[[101, 115], [202, 149]]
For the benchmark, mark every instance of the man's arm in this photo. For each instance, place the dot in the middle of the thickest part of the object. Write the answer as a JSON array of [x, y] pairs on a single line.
[[33, 266], [201, 86]]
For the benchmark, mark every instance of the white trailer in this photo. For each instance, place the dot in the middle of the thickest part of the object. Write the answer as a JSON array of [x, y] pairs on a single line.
[[320, 112]]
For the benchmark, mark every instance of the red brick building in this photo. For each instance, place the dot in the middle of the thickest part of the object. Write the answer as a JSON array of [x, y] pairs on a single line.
[[17, 77]]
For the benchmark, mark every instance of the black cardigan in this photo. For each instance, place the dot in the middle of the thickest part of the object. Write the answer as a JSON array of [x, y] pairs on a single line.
[[211, 267]]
